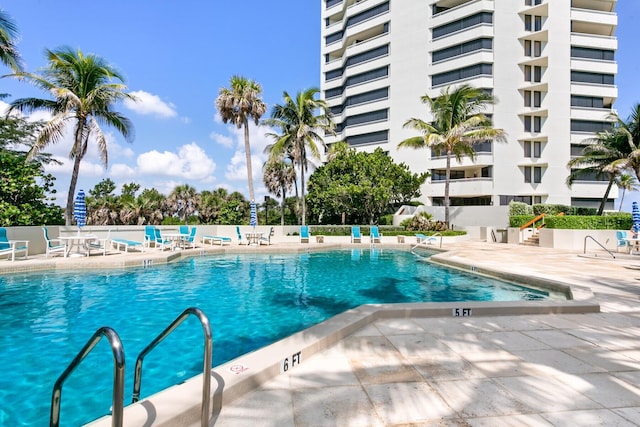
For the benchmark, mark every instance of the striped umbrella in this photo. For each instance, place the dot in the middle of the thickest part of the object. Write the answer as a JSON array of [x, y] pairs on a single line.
[[80, 210], [635, 217], [253, 219]]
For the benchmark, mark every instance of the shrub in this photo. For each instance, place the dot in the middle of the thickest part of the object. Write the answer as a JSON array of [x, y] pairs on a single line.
[[386, 220], [519, 208], [578, 222]]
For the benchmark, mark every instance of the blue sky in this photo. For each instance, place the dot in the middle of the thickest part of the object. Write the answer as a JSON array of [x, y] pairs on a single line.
[[177, 55]]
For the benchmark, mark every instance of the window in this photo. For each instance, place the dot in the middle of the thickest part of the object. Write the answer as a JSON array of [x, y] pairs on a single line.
[[532, 147], [537, 24], [368, 117], [527, 123], [333, 3], [367, 76], [537, 149], [527, 73], [505, 200], [537, 74], [587, 101], [527, 149], [595, 78], [589, 126], [537, 124], [527, 48], [537, 98], [537, 48], [367, 14], [532, 124], [462, 73], [461, 24], [333, 74], [590, 53], [367, 56], [528, 23], [461, 49], [373, 95], [534, 172], [332, 38], [527, 98], [369, 138], [532, 98]]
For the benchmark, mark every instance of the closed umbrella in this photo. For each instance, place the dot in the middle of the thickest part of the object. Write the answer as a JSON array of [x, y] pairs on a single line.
[[253, 219], [635, 217], [80, 210]]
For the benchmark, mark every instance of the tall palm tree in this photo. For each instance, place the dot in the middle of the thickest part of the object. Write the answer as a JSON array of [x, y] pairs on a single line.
[[626, 182], [84, 89], [279, 176], [300, 121], [238, 104], [9, 54], [458, 124]]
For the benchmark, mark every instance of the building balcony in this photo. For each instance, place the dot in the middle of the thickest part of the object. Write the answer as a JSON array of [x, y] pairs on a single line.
[[472, 58], [604, 91], [463, 36], [458, 9], [482, 159], [466, 187], [592, 189], [593, 22], [542, 35], [541, 9], [594, 65], [594, 41], [595, 114], [601, 5]]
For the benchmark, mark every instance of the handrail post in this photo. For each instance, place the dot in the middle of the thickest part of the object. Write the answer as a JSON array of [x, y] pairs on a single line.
[[206, 369], [118, 376]]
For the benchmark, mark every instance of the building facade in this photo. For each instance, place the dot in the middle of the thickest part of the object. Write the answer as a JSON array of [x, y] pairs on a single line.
[[549, 63]]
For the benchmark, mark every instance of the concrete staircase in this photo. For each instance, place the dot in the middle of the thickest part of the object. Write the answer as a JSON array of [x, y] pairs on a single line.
[[534, 240]]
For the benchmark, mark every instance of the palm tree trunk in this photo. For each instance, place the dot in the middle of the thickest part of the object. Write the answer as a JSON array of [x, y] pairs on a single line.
[[447, 177], [282, 207], [247, 153], [621, 200], [606, 194], [304, 213]]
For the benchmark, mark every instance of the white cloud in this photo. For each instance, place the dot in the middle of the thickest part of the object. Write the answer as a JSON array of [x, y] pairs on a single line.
[[150, 104], [224, 140], [122, 171], [237, 168], [190, 162]]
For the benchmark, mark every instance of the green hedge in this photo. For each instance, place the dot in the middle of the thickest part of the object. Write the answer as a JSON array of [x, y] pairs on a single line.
[[578, 222], [345, 230]]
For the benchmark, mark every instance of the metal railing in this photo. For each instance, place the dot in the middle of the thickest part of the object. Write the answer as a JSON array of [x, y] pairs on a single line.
[[599, 244], [118, 376], [206, 369]]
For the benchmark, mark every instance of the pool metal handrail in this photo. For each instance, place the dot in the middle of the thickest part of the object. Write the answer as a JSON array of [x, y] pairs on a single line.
[[206, 370], [598, 243], [118, 376]]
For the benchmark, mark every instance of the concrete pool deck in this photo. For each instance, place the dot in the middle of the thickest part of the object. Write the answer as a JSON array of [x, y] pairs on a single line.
[[558, 369]]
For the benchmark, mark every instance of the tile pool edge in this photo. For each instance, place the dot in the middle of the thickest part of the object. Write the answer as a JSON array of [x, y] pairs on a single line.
[[180, 405]]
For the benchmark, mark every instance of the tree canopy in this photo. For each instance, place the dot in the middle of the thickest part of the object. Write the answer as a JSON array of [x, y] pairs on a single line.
[[359, 187]]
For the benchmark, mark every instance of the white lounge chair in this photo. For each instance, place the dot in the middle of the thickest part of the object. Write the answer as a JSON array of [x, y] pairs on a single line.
[[216, 240], [100, 245]]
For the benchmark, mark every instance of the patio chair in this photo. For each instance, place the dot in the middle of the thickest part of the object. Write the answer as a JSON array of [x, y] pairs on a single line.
[[356, 237], [184, 229], [53, 246], [622, 241], [191, 240], [12, 247], [267, 240], [304, 234], [422, 239], [100, 245], [241, 241], [149, 236], [162, 243], [374, 234]]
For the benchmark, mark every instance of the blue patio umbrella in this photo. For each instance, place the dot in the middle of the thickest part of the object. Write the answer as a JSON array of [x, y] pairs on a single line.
[[253, 219], [635, 217], [80, 210]]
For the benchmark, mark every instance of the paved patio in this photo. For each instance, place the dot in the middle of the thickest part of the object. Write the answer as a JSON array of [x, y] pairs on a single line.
[[540, 370]]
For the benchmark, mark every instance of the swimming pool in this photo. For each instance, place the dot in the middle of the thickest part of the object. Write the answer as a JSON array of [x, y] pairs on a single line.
[[251, 300]]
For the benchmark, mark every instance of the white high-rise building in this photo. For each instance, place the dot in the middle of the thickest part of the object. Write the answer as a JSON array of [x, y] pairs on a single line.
[[549, 63]]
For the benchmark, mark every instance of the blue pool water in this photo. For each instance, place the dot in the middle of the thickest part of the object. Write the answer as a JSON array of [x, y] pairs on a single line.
[[251, 300]]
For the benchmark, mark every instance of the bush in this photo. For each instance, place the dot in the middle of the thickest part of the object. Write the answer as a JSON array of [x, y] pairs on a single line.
[[578, 222], [519, 208], [386, 220]]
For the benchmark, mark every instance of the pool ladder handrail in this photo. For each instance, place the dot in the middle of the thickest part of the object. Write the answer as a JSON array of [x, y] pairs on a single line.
[[598, 243], [206, 370], [118, 376]]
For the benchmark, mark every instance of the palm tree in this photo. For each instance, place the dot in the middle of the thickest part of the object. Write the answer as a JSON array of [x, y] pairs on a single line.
[[9, 54], [604, 156], [626, 182], [458, 124], [279, 176], [84, 89], [183, 201], [238, 104], [300, 122]]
